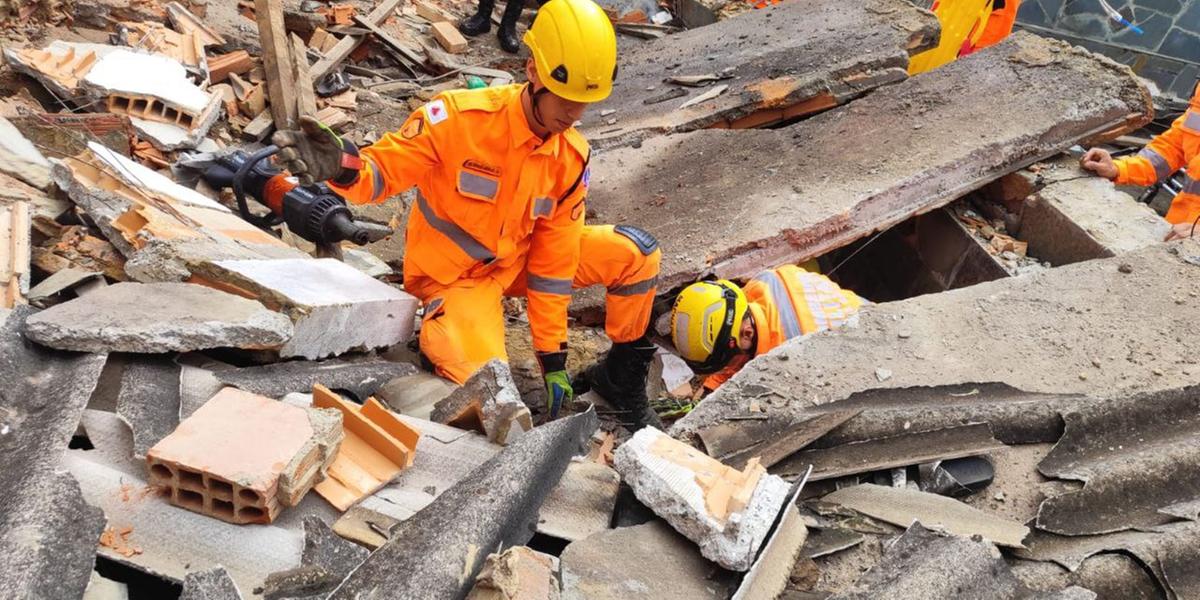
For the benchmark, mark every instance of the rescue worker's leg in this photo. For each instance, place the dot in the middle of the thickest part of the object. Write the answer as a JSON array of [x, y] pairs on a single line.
[[463, 326], [625, 260], [481, 21]]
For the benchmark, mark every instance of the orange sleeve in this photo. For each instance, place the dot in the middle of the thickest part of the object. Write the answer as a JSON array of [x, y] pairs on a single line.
[[1157, 161], [398, 160], [553, 258]]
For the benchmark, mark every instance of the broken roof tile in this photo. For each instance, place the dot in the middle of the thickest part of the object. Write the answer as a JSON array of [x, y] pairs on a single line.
[[902, 506]]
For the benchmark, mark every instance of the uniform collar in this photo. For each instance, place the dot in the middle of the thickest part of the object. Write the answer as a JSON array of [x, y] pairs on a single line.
[[522, 133]]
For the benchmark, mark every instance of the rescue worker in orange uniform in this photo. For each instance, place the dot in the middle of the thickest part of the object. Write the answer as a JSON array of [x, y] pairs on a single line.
[[717, 327], [502, 176], [1177, 148]]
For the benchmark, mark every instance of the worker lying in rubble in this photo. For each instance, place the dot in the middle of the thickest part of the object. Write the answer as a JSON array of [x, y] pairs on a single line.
[[717, 327], [502, 175], [1177, 148]]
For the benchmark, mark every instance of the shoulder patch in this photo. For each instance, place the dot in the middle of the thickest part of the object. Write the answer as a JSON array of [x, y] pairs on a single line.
[[413, 128], [436, 112], [587, 177]]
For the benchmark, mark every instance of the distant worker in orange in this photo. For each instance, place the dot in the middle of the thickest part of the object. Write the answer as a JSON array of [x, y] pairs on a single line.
[[1177, 148], [717, 327], [502, 175]]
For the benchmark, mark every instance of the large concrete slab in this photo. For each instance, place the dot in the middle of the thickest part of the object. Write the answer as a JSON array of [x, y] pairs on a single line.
[[734, 202], [48, 532], [789, 60], [1063, 331], [158, 317]]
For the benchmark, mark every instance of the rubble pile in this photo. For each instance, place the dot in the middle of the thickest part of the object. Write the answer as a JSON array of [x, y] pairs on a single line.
[[201, 398]]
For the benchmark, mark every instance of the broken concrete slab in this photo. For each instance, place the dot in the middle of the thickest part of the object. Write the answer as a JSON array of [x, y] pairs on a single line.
[[823, 541], [735, 443], [152, 87], [438, 552], [360, 377], [488, 402], [163, 228], [242, 458], [1138, 458], [60, 67], [158, 317], [20, 158], [582, 503], [772, 569], [926, 564], [1057, 96], [891, 452], [1044, 333], [48, 532], [415, 395], [901, 506], [198, 381], [643, 562], [149, 400], [726, 512], [327, 560], [61, 282], [335, 307], [213, 584], [518, 573], [768, 60]]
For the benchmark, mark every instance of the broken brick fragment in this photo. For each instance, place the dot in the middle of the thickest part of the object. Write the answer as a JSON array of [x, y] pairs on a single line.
[[488, 402]]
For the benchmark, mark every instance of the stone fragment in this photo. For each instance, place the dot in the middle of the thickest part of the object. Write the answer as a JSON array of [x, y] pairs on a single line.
[[518, 573], [241, 458], [361, 378], [901, 506], [488, 402], [727, 512], [213, 584], [158, 317], [335, 307], [327, 560], [20, 158], [583, 502], [149, 400], [643, 562], [415, 395]]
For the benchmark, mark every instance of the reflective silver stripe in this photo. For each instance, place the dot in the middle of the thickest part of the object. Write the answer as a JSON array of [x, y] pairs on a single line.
[[477, 185], [787, 314], [1190, 186], [635, 289], [1192, 120], [543, 207], [460, 238], [376, 181], [549, 285], [1162, 169]]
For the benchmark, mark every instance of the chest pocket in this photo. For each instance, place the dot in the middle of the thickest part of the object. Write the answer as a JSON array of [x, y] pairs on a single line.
[[478, 186]]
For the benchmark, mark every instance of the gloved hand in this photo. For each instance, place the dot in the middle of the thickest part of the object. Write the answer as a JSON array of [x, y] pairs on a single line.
[[1100, 162], [314, 153], [558, 384]]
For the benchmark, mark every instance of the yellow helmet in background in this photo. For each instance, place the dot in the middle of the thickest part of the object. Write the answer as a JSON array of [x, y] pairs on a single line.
[[705, 323], [574, 49]]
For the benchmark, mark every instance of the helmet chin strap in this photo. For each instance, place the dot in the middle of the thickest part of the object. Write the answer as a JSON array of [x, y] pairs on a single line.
[[535, 106]]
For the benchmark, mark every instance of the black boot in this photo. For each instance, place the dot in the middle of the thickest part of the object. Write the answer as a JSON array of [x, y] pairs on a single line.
[[509, 42], [481, 21], [621, 379]]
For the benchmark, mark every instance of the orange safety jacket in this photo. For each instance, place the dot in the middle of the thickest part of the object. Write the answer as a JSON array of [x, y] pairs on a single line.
[[493, 198], [789, 302], [1177, 148]]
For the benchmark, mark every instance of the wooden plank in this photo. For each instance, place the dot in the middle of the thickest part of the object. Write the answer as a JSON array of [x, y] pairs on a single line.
[[432, 13], [185, 22], [277, 62], [306, 98], [385, 37], [449, 38], [14, 253], [348, 43], [259, 128], [221, 66]]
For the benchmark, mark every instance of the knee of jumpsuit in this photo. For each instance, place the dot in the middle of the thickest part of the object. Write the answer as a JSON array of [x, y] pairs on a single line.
[[463, 328], [625, 260]]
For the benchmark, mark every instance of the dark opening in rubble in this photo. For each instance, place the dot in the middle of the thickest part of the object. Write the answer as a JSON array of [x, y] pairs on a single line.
[[142, 585]]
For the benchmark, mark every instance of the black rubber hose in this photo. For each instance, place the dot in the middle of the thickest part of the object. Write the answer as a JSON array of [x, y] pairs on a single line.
[[239, 192]]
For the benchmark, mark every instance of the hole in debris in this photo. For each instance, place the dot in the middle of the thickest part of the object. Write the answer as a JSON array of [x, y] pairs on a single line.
[[224, 489], [250, 512], [139, 106], [191, 479], [80, 442], [142, 585], [190, 499], [248, 495], [117, 103], [160, 472], [221, 508], [170, 114], [547, 544], [185, 120]]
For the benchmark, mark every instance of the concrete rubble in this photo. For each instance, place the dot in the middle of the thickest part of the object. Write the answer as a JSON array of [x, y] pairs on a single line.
[[727, 512], [362, 378], [488, 402], [20, 158], [213, 584], [518, 573], [243, 458], [158, 317]]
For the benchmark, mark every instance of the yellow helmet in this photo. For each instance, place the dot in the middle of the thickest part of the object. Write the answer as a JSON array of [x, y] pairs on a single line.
[[705, 323], [574, 49]]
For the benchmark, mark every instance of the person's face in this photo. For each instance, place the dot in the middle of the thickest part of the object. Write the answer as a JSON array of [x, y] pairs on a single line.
[[557, 114], [746, 336]]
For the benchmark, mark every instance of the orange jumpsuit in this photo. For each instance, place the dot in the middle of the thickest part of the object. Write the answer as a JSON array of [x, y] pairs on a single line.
[[500, 212], [1177, 148], [998, 26], [790, 302]]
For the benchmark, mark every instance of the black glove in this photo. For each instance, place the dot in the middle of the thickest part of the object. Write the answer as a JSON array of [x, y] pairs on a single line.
[[315, 153]]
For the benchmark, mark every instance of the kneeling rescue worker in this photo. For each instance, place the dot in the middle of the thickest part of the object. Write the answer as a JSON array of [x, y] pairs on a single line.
[[502, 175], [717, 327]]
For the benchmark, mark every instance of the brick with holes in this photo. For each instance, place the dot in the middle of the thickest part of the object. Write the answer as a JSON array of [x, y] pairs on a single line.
[[242, 457]]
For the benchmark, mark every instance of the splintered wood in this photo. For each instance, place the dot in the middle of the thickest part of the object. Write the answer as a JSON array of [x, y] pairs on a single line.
[[14, 252]]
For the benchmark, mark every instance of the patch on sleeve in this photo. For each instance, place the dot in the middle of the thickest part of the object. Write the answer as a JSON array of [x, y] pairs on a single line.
[[413, 128], [436, 111], [587, 177]]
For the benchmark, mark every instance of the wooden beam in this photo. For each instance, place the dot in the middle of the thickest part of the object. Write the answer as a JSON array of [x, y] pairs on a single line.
[[277, 62], [306, 99], [347, 44], [406, 51]]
